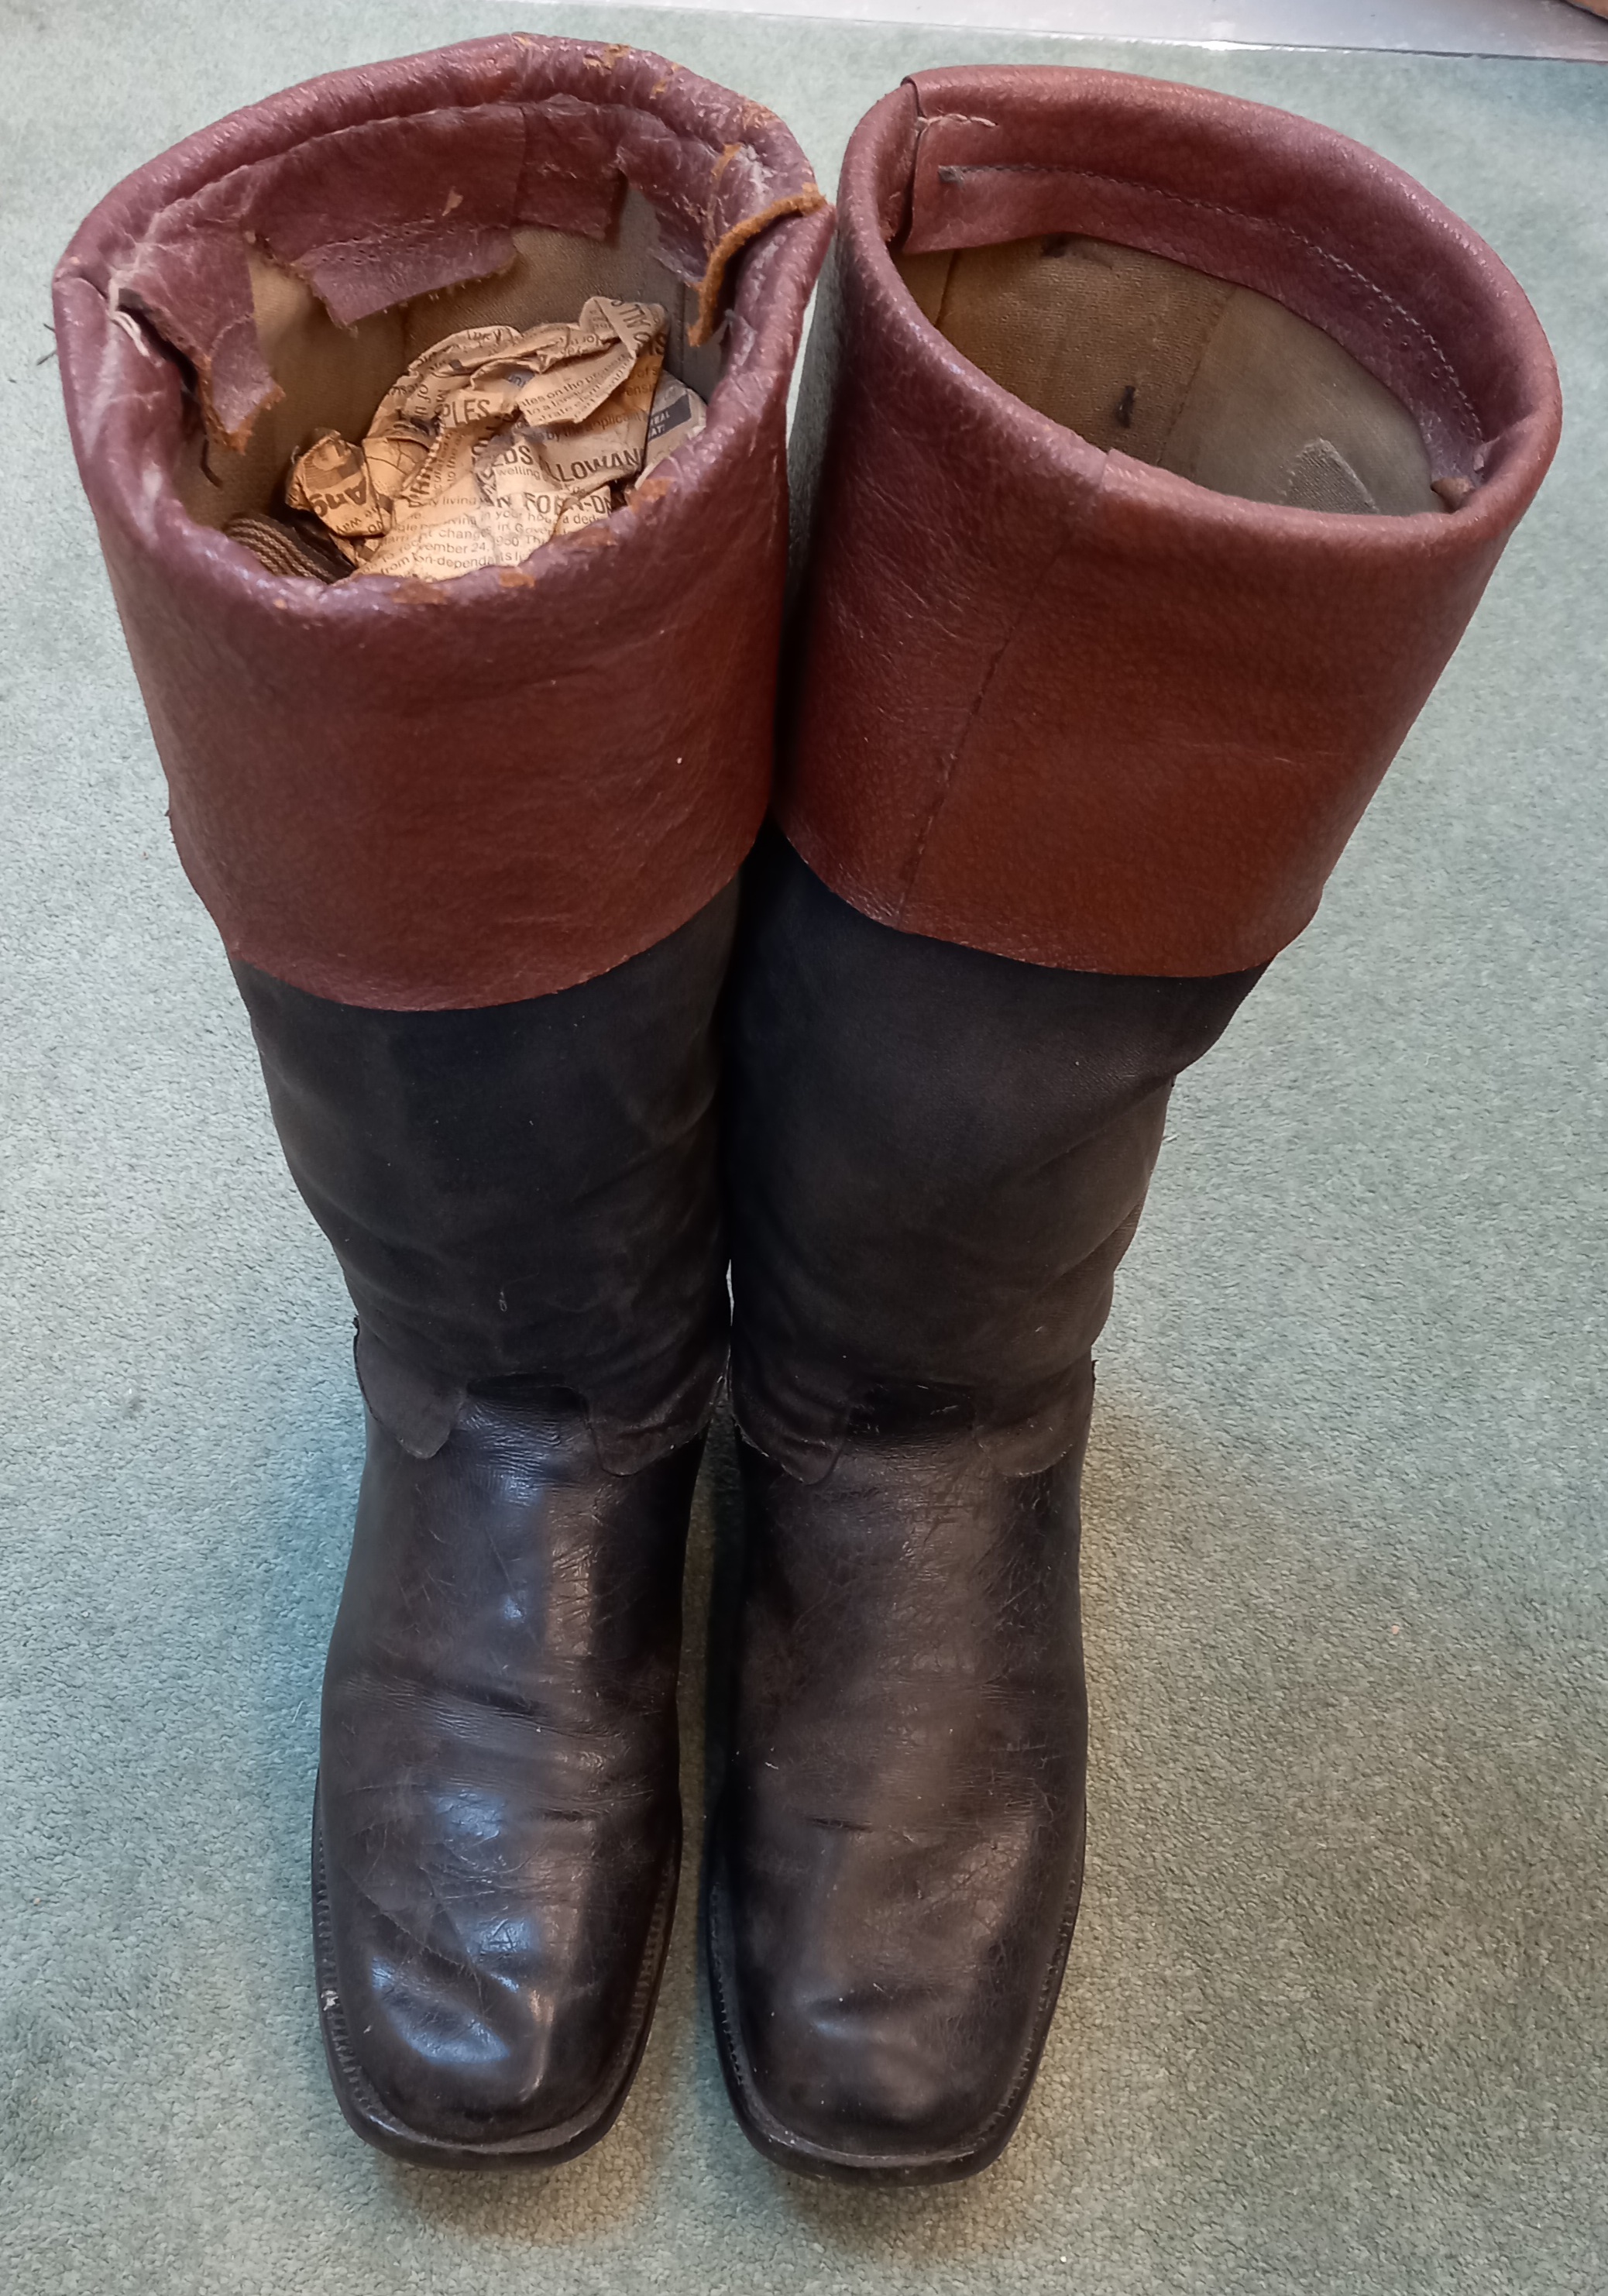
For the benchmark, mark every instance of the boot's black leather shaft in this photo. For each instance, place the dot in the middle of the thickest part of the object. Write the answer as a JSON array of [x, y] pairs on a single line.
[[524, 1202], [935, 1159]]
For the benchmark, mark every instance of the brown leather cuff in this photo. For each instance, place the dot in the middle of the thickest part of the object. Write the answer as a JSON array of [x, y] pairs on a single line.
[[1067, 706], [432, 795]]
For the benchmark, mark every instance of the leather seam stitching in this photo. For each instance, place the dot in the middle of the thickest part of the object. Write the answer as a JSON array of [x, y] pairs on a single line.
[[951, 771], [1442, 366]]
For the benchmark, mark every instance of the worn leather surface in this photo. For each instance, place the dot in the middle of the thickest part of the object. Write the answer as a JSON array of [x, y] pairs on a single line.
[[523, 1190], [498, 1825], [418, 795], [523, 1199], [896, 1854], [1054, 702], [935, 1159]]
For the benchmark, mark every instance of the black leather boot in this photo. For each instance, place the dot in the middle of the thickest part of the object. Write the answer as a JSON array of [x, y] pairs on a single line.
[[524, 1205], [471, 844], [1156, 450], [936, 1157]]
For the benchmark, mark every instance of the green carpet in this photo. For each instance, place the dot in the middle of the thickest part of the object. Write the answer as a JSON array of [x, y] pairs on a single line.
[[1336, 2018]]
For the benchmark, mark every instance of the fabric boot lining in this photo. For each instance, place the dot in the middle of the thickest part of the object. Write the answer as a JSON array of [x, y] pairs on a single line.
[[1212, 381]]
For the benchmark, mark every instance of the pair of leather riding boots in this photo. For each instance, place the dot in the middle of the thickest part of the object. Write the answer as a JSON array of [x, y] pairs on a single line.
[[1152, 453]]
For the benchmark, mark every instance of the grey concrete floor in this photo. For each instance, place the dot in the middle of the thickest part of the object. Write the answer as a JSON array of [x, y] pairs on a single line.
[[1337, 2015]]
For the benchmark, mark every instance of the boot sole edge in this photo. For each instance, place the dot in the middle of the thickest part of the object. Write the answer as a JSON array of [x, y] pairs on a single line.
[[783, 2147]]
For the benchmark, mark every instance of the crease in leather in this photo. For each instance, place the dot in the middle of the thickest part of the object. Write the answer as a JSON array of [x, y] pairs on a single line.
[[1060, 544]]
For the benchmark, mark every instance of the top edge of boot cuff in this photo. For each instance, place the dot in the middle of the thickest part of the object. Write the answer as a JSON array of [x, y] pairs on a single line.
[[558, 128], [1261, 198]]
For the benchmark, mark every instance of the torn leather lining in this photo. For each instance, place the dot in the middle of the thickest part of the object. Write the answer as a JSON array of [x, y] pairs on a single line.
[[376, 212]]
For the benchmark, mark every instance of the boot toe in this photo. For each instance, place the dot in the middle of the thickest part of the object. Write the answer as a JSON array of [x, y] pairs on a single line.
[[512, 2041], [498, 1828], [897, 1847], [887, 2085]]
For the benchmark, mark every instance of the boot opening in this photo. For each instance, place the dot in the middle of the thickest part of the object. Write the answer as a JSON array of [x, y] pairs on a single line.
[[1213, 381], [334, 377]]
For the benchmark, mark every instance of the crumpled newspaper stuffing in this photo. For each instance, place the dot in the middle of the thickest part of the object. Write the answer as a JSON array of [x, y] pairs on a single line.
[[495, 440]]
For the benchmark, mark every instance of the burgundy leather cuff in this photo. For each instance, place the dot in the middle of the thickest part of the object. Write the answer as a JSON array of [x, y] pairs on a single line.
[[1063, 705], [432, 795]]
